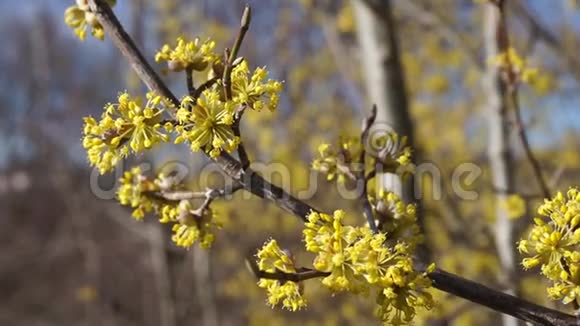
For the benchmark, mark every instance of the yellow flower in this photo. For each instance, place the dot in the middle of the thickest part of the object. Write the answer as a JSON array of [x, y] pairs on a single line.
[[272, 259], [194, 226], [554, 244], [392, 152], [250, 91], [132, 192], [360, 261], [515, 206], [79, 17], [145, 195], [128, 126], [514, 65], [194, 54], [207, 124], [398, 220], [341, 163]]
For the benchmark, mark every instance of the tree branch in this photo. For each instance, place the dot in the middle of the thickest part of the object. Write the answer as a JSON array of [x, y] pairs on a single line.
[[189, 80], [367, 209], [125, 44], [499, 301], [230, 56], [543, 33], [302, 274], [522, 134]]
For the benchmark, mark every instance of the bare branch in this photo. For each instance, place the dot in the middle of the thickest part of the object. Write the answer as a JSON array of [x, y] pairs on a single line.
[[230, 56], [125, 44], [189, 79], [367, 209], [209, 83], [499, 301], [301, 274], [244, 159], [543, 33], [522, 134]]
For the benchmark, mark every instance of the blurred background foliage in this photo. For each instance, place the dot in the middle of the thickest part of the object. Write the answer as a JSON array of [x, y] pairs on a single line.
[[68, 257]]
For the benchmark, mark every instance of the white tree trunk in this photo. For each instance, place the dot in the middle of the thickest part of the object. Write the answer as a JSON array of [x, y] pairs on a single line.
[[385, 85], [499, 152]]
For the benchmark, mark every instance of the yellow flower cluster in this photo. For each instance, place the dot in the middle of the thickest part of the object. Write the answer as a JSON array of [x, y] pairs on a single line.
[[360, 261], [132, 192], [142, 194], [79, 17], [207, 124], [515, 66], [388, 149], [391, 151], [190, 225], [124, 127], [272, 259], [250, 91], [554, 243], [195, 55], [341, 163], [397, 219]]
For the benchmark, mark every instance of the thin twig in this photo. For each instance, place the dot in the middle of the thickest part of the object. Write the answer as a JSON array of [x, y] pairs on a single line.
[[230, 56], [189, 79], [178, 195], [244, 159], [206, 85], [125, 44], [367, 209], [512, 89], [526, 145], [548, 37], [301, 274]]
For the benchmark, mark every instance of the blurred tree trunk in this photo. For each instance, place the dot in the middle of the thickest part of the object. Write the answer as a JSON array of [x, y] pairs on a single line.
[[162, 275], [499, 152], [204, 286], [385, 84]]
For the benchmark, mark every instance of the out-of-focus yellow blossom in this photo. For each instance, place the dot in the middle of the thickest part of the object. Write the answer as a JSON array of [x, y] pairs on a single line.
[[437, 83], [194, 226], [145, 195], [79, 17], [272, 259], [515, 66], [87, 293], [515, 206], [195, 54], [397, 219], [554, 244], [397, 305], [391, 151], [132, 192], [128, 126], [341, 163], [254, 91], [207, 124], [360, 261]]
